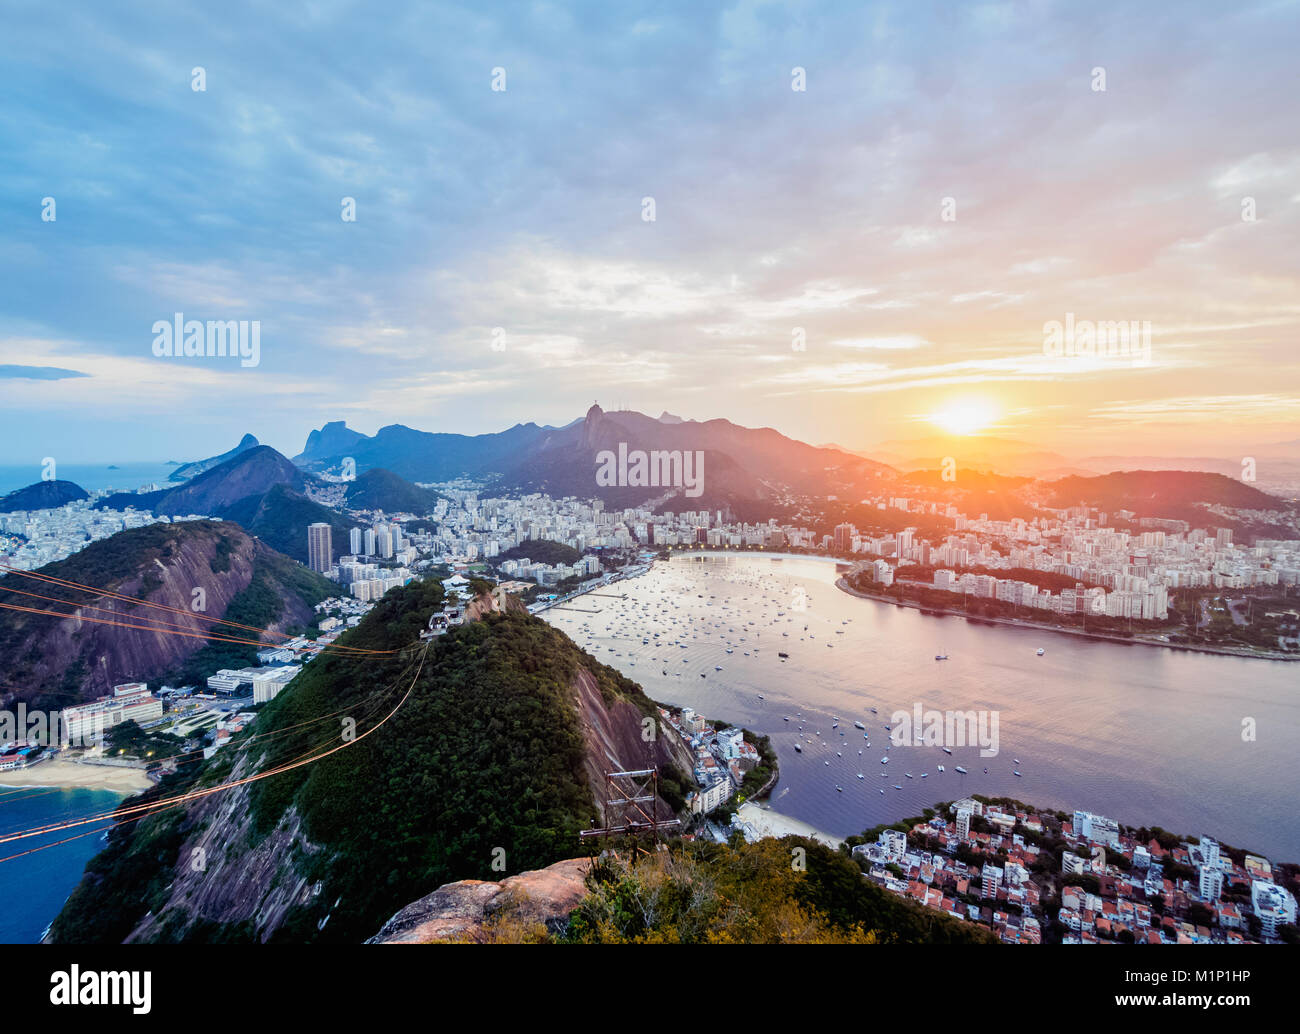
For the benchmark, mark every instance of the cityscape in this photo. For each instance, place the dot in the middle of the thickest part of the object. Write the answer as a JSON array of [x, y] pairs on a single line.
[[776, 472]]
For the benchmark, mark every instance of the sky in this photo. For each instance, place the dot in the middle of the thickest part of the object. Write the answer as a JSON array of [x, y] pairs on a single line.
[[878, 255]]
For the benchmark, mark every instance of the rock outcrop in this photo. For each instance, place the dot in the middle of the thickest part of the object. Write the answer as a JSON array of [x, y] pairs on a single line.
[[463, 910]]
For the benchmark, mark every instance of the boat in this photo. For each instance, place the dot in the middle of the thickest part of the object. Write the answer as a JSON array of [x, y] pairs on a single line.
[[986, 769], [940, 656], [873, 710], [897, 787], [798, 748], [1041, 651], [859, 775], [925, 775], [946, 750], [840, 788], [787, 718], [941, 768], [1015, 773], [885, 760], [961, 770], [780, 653], [858, 725], [1015, 761], [908, 774]]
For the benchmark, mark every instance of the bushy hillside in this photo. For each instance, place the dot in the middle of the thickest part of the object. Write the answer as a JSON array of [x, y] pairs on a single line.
[[44, 495], [484, 762], [383, 490]]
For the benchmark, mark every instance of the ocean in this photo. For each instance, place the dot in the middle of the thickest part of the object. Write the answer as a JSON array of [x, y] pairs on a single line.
[[35, 886], [90, 476], [1145, 735]]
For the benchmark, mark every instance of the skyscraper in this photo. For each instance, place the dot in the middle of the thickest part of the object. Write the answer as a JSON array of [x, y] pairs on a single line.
[[355, 539], [320, 553]]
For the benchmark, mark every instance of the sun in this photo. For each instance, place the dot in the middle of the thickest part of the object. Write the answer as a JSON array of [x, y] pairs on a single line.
[[965, 417]]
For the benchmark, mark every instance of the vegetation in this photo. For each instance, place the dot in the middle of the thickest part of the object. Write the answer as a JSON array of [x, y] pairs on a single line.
[[281, 516], [43, 495], [127, 739], [792, 890], [485, 753], [541, 551], [380, 489]]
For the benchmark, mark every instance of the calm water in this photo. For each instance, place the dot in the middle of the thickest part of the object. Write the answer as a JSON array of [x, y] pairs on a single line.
[[34, 887], [89, 476], [1147, 736]]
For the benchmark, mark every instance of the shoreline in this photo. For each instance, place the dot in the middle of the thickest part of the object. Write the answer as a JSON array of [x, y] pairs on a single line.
[[72, 775], [1222, 651], [772, 824]]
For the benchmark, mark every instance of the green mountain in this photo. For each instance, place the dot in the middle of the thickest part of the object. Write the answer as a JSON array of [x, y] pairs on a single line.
[[380, 489], [541, 551], [281, 516], [44, 495], [498, 732]]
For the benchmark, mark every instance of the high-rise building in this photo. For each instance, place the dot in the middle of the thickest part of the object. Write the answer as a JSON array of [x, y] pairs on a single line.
[[963, 823], [320, 552], [354, 537], [1211, 883], [370, 542], [991, 876]]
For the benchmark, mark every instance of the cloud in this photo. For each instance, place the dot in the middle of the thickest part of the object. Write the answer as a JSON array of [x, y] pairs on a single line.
[[38, 373], [520, 209]]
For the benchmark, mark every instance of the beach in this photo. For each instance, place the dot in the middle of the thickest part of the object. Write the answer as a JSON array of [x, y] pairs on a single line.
[[74, 775], [774, 824]]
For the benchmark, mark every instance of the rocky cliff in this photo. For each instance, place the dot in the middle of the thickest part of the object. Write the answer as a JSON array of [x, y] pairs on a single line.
[[202, 568], [465, 910]]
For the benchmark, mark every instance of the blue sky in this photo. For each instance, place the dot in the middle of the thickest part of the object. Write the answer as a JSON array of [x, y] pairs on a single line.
[[521, 209]]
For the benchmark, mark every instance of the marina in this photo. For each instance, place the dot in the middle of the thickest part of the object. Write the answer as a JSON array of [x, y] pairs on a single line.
[[1146, 735]]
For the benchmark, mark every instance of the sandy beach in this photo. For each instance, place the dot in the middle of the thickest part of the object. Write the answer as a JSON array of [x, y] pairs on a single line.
[[72, 774], [774, 824]]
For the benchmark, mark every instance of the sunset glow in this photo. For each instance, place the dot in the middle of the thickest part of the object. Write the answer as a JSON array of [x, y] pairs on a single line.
[[968, 416]]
